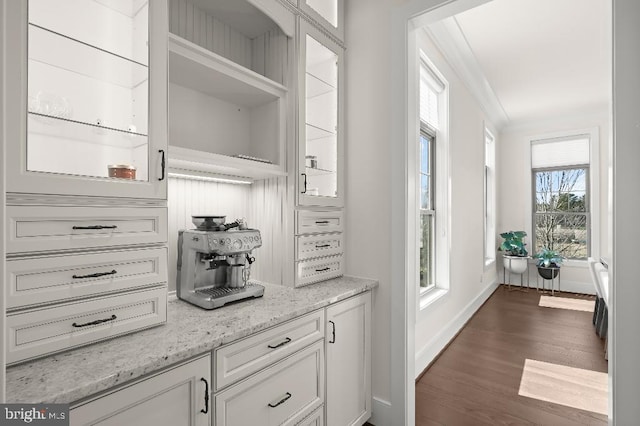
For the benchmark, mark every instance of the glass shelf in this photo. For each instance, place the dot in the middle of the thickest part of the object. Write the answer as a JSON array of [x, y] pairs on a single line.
[[317, 87], [314, 171], [315, 133]]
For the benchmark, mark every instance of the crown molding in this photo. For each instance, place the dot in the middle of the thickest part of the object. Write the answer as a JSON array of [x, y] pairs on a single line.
[[451, 41]]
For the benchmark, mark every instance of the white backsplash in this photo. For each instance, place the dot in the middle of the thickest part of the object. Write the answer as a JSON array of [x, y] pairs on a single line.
[[261, 204]]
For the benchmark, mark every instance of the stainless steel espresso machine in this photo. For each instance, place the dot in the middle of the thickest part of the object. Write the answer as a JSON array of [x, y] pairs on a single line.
[[214, 262]]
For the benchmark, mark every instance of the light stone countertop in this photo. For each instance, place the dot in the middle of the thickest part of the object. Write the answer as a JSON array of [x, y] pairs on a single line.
[[189, 331]]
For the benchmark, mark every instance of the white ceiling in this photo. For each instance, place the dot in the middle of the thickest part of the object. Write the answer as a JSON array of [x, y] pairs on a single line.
[[543, 58]]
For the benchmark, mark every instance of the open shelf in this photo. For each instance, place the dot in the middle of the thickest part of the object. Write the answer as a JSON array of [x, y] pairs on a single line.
[[200, 69], [194, 160]]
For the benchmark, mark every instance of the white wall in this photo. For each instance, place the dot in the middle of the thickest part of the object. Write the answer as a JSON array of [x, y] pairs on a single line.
[[368, 143], [439, 322], [2, 206], [514, 186], [624, 288]]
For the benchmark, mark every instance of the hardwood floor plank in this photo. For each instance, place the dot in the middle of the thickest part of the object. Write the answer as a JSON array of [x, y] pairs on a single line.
[[475, 381]]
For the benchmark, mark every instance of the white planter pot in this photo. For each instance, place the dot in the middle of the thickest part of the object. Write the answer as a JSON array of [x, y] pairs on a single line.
[[515, 264]]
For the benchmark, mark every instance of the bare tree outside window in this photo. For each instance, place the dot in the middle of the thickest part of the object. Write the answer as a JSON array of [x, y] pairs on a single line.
[[561, 214]]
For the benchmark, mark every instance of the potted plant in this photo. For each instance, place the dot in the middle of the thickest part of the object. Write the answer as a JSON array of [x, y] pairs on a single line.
[[548, 263], [515, 253]]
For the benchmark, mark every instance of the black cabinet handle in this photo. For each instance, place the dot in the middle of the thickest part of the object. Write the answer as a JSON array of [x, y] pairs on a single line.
[[322, 270], [96, 275], [322, 222], [163, 163], [282, 401], [96, 322], [92, 227], [205, 410], [304, 191], [323, 246], [333, 332], [286, 340]]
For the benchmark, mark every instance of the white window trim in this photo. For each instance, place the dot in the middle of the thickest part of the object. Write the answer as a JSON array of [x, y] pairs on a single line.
[[442, 188], [490, 258], [594, 188]]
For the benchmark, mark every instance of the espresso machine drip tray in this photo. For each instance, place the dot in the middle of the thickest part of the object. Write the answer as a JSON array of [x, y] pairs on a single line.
[[215, 297]]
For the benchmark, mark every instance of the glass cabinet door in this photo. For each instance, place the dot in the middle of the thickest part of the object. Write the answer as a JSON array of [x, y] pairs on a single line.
[[329, 12], [320, 136], [88, 110]]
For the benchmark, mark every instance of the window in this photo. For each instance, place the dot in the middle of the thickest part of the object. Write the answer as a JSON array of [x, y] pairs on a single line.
[[489, 198], [431, 88], [561, 196]]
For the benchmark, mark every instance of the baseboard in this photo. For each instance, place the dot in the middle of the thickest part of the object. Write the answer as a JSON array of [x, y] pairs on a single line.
[[430, 351], [570, 286], [380, 412]]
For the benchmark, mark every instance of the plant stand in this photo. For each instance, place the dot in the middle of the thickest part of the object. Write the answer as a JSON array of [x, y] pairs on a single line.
[[508, 282], [554, 276]]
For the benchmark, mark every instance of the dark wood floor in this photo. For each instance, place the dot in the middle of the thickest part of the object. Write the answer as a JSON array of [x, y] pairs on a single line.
[[475, 381]]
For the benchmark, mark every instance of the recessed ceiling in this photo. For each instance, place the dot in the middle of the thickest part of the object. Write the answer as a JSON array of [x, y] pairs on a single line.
[[543, 58]]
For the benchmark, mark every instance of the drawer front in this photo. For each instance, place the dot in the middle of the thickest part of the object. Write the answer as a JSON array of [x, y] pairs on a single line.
[[309, 247], [283, 394], [48, 279], [36, 228], [43, 331], [311, 222], [315, 419], [242, 358], [312, 271]]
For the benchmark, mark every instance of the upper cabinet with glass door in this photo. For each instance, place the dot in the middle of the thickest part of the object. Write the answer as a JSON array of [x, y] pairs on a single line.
[[329, 13], [320, 150], [91, 100]]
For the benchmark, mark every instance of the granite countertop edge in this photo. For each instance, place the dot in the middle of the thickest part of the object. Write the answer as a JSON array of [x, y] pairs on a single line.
[[74, 375]]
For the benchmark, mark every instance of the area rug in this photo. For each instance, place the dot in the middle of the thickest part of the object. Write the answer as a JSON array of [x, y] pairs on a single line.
[[567, 303], [568, 386]]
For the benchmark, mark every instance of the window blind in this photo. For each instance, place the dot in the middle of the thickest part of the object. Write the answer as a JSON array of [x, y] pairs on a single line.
[[560, 153], [430, 87]]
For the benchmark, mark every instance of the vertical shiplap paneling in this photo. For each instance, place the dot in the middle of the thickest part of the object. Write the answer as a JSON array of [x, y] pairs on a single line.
[[269, 214], [265, 54], [192, 197]]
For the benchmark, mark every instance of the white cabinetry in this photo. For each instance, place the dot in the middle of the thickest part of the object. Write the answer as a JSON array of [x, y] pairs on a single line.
[[87, 94], [87, 177], [179, 396], [348, 347], [329, 13], [227, 92], [320, 135]]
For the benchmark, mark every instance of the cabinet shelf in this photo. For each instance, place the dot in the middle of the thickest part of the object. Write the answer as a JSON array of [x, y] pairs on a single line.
[[314, 171], [193, 160], [315, 132], [199, 69], [317, 87]]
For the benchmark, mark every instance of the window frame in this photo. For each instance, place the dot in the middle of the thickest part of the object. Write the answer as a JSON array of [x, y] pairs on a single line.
[[490, 205], [430, 133], [587, 203]]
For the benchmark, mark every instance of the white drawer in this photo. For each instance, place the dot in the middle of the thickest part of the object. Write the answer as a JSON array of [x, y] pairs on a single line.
[[37, 228], [242, 358], [313, 271], [34, 281], [315, 419], [39, 332], [311, 222], [283, 394], [309, 247]]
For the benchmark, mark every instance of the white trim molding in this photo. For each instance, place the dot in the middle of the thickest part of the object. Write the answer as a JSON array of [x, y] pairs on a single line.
[[453, 44], [380, 412]]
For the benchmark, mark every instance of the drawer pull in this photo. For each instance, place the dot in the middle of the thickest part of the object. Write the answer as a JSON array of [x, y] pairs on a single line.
[[322, 222], [282, 401], [96, 275], [323, 246], [322, 270], [96, 322], [333, 332], [96, 227], [286, 340], [205, 410], [163, 164]]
